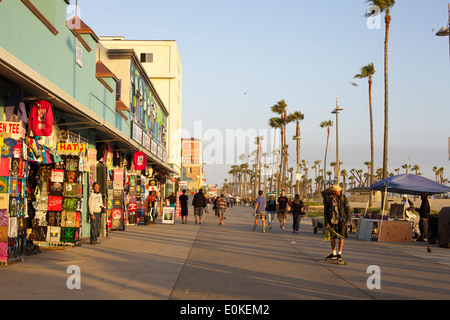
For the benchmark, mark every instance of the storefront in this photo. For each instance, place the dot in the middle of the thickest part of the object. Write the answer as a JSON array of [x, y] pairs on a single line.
[[63, 127]]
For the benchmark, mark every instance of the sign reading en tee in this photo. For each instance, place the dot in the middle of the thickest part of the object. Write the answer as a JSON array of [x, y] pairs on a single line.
[[14, 129]]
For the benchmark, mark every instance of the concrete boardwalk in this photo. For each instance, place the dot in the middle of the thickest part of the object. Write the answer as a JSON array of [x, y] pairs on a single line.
[[228, 262]]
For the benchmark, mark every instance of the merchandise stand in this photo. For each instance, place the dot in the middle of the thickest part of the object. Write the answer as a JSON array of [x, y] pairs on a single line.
[[13, 207], [116, 212]]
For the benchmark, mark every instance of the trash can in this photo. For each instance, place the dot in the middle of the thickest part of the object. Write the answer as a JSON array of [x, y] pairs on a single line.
[[444, 228], [433, 228]]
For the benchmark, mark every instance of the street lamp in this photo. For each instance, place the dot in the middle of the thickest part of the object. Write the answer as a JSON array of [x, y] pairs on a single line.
[[336, 111], [445, 31]]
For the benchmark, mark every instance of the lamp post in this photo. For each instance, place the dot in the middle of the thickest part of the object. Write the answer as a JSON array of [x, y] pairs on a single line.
[[337, 167], [445, 31]]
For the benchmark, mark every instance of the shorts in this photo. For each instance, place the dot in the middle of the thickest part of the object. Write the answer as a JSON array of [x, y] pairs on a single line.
[[282, 213], [198, 211], [341, 229], [260, 215]]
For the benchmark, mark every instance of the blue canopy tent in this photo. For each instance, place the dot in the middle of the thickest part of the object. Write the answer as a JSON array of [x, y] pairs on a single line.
[[410, 184]]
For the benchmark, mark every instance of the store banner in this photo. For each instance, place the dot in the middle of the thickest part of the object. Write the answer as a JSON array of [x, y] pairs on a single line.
[[13, 129]]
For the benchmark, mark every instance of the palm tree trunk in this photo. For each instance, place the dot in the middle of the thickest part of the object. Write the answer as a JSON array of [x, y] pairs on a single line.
[[285, 154], [297, 183], [280, 174], [371, 142], [325, 160], [386, 99]]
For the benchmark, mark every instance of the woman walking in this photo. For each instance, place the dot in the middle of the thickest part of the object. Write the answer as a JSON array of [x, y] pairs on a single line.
[[271, 209], [297, 209]]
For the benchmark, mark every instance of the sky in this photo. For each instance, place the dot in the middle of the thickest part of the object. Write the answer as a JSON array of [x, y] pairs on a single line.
[[240, 57]]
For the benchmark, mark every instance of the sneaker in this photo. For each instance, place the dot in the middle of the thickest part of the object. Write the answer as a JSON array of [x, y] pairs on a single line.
[[331, 257], [263, 231], [339, 257]]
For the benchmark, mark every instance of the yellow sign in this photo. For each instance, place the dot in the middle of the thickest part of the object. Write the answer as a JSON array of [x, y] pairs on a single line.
[[71, 147]]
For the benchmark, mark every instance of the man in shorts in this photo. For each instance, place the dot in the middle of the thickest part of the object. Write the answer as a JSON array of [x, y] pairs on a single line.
[[260, 211], [282, 209], [199, 203], [337, 216]]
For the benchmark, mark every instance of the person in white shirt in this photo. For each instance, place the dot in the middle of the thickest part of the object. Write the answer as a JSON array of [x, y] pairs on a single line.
[[95, 205]]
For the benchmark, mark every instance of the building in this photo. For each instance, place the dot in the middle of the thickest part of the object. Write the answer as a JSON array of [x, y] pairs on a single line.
[[192, 161], [161, 61], [105, 111]]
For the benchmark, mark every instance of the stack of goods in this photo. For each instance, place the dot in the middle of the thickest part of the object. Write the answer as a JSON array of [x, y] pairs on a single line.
[[13, 207], [140, 199], [56, 197], [132, 199], [72, 201], [116, 200]]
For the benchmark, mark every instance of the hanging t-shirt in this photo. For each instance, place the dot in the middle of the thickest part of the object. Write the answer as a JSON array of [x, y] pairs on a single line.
[[14, 105], [139, 160], [7, 148], [41, 118]]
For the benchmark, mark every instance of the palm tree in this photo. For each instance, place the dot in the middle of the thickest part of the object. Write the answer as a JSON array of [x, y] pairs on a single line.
[[415, 168], [297, 116], [277, 122], [258, 141], [344, 176], [385, 6], [406, 167], [326, 124], [435, 169], [368, 72], [280, 108], [244, 168]]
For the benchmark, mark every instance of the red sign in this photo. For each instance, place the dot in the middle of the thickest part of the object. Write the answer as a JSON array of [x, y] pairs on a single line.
[[132, 207]]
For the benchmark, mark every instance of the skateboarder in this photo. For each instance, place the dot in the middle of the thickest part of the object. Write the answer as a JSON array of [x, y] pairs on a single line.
[[337, 217]]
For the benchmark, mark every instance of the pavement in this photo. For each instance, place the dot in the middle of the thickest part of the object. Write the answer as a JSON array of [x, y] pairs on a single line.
[[212, 262]]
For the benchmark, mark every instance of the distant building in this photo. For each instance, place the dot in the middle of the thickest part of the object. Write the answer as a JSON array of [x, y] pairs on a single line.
[[161, 61], [191, 158]]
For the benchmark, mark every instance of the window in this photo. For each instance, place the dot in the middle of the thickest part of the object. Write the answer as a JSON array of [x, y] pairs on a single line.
[[146, 57], [118, 89]]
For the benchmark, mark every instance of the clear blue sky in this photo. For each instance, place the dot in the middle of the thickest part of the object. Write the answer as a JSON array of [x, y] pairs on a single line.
[[307, 53]]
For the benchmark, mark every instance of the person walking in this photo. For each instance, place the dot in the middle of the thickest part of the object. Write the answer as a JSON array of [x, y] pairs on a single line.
[[337, 216], [184, 206], [96, 206], [171, 200], [221, 207], [282, 209], [199, 203], [260, 211], [271, 209], [297, 210]]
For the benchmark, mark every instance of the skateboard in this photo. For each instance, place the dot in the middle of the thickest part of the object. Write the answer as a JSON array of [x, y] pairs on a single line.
[[335, 261]]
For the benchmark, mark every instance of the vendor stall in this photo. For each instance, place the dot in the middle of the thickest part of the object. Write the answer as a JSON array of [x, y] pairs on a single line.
[[386, 229]]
